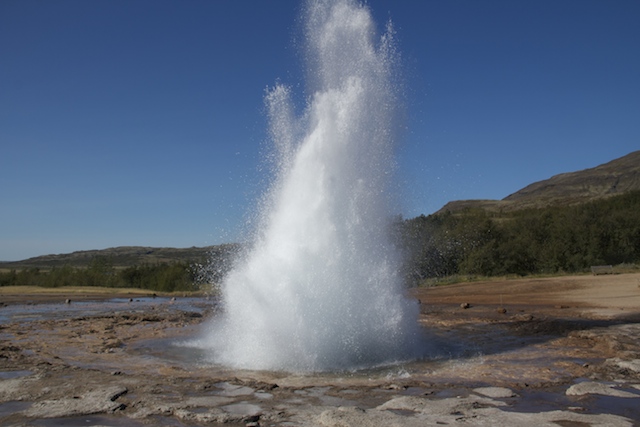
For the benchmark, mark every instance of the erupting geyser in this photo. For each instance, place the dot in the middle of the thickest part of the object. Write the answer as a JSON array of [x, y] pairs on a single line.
[[320, 289]]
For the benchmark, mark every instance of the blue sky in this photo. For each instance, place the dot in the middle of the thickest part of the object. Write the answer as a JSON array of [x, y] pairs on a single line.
[[142, 122]]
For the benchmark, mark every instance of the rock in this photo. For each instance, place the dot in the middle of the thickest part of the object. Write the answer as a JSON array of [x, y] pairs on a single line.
[[439, 406], [350, 416], [502, 310], [92, 402], [407, 403], [231, 390], [631, 365], [394, 387], [214, 415], [495, 392], [245, 411], [15, 388], [465, 305], [207, 401], [110, 343], [590, 387]]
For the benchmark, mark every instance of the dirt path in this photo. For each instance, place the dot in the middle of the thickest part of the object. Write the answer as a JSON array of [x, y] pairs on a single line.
[[604, 295]]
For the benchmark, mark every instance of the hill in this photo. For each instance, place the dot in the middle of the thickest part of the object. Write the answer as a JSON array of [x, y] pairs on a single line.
[[616, 177], [126, 256]]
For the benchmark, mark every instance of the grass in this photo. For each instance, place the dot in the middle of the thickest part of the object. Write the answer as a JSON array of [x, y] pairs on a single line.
[[453, 279]]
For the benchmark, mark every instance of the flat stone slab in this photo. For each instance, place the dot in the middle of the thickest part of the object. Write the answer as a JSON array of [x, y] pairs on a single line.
[[207, 401], [495, 392], [420, 412], [632, 365], [232, 390], [243, 409], [92, 402], [603, 389]]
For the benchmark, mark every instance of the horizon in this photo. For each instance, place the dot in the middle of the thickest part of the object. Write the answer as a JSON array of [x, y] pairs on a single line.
[[239, 242], [143, 123]]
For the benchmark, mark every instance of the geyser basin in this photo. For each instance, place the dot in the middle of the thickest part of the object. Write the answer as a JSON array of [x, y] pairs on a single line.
[[320, 289]]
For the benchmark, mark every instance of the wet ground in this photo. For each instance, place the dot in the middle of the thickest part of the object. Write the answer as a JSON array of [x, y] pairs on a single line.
[[536, 355]]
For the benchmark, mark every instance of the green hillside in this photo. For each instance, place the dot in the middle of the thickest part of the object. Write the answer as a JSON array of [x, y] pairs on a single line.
[[124, 256], [161, 269], [564, 224]]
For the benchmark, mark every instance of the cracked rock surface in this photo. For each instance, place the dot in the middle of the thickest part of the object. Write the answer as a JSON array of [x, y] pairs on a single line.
[[546, 360]]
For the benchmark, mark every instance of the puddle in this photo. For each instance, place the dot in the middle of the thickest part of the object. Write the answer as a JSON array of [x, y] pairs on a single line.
[[535, 401], [8, 375], [171, 349], [626, 407], [460, 353], [11, 407], [60, 310], [179, 350]]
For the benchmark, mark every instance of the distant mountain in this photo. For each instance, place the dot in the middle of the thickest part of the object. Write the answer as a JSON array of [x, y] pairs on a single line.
[[126, 256], [615, 177]]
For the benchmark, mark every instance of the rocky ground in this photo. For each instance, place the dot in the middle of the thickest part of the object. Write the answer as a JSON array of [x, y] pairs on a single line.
[[559, 352]]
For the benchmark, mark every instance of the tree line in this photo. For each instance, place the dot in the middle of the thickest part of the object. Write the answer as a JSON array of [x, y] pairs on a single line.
[[475, 242], [533, 241], [164, 277]]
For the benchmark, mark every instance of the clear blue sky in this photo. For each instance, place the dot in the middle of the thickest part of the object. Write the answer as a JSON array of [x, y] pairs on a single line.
[[141, 122]]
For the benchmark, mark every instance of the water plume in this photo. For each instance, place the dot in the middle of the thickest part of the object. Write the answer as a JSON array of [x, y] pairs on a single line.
[[320, 289]]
